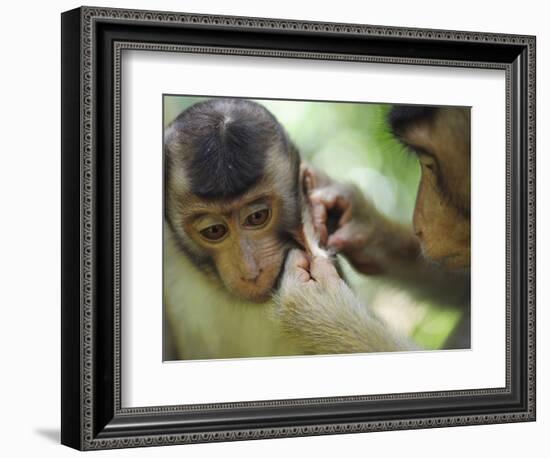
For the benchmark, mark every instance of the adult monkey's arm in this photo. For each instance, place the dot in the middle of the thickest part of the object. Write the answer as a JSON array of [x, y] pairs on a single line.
[[376, 245]]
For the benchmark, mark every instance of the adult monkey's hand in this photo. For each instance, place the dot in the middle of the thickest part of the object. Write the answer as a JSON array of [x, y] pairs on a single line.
[[349, 223], [319, 311]]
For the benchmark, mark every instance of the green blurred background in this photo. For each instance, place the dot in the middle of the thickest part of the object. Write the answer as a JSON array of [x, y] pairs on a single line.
[[352, 142]]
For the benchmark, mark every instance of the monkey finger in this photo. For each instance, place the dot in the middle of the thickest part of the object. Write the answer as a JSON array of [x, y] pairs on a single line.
[[335, 199], [324, 196], [297, 265], [314, 178], [323, 201], [343, 204], [323, 270], [320, 222], [297, 258], [350, 236], [302, 276]]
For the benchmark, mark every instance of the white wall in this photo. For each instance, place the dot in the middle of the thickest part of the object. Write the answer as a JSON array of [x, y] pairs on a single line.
[[29, 242]]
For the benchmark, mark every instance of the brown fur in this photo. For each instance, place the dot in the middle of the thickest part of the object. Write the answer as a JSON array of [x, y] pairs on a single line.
[[442, 212]]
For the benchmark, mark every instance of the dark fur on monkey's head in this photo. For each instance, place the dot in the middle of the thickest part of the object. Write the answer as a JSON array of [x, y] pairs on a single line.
[[224, 143]]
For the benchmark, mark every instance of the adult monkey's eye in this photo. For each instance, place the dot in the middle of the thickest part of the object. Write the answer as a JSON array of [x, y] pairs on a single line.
[[258, 218], [428, 161], [214, 233]]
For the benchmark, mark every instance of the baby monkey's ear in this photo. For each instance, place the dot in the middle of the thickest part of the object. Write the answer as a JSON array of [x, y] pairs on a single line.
[[326, 217], [312, 178], [306, 235]]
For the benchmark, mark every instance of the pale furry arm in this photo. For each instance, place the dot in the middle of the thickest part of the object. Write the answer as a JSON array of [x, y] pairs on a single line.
[[318, 311]]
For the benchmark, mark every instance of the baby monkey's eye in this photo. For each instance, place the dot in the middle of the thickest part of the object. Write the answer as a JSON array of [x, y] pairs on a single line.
[[214, 233], [258, 218]]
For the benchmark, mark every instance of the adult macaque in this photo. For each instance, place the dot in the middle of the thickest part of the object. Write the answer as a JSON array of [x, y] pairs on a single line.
[[234, 209], [431, 259]]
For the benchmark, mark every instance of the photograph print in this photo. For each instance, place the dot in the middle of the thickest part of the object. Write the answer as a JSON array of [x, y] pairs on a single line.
[[295, 228]]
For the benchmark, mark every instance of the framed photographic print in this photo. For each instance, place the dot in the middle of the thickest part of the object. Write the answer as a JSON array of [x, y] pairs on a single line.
[[277, 228]]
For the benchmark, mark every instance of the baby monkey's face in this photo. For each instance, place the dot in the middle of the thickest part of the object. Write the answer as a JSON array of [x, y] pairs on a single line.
[[243, 238], [232, 200]]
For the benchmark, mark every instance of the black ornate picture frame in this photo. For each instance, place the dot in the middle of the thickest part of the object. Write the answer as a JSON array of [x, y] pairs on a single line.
[[92, 42]]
